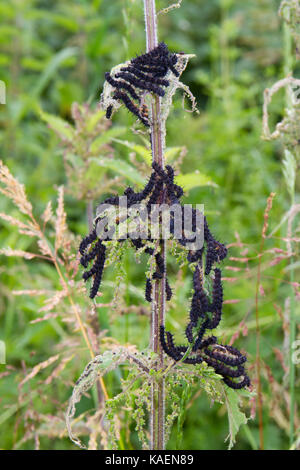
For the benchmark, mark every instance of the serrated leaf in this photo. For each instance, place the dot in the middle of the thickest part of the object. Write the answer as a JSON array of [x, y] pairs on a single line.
[[75, 160], [194, 180], [236, 417], [172, 152], [58, 124], [122, 168], [139, 149], [106, 137], [145, 153], [94, 119]]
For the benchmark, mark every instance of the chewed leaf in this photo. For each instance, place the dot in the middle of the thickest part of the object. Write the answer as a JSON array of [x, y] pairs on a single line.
[[99, 366], [176, 84], [235, 416]]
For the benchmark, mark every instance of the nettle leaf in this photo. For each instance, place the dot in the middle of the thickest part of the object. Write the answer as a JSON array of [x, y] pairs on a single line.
[[59, 125], [236, 417], [94, 119], [106, 137], [121, 167], [194, 180], [172, 152], [139, 149]]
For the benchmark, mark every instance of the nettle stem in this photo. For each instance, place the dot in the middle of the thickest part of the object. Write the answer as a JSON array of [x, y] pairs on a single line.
[[157, 418]]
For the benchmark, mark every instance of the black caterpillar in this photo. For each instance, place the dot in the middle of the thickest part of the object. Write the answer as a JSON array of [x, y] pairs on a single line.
[[228, 363], [144, 73], [205, 310]]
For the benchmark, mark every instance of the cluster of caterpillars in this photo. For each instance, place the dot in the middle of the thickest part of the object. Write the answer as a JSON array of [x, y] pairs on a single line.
[[205, 311], [160, 189], [143, 74], [205, 315]]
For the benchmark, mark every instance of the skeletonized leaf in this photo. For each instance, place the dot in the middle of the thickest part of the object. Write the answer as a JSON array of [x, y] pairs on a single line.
[[99, 366], [96, 368]]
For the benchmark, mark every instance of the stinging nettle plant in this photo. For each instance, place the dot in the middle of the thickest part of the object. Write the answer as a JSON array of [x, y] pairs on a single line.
[[160, 379]]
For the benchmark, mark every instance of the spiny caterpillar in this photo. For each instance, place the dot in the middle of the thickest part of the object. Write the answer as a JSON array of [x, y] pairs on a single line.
[[159, 188], [228, 363], [205, 310], [143, 74], [226, 360]]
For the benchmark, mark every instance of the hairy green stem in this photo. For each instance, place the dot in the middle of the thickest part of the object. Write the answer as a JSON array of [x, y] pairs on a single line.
[[157, 417]]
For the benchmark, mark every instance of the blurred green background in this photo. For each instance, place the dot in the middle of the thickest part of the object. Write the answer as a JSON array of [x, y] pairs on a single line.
[[55, 53]]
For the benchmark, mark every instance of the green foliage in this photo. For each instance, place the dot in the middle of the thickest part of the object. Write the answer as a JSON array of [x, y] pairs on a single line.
[[54, 54], [236, 418]]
